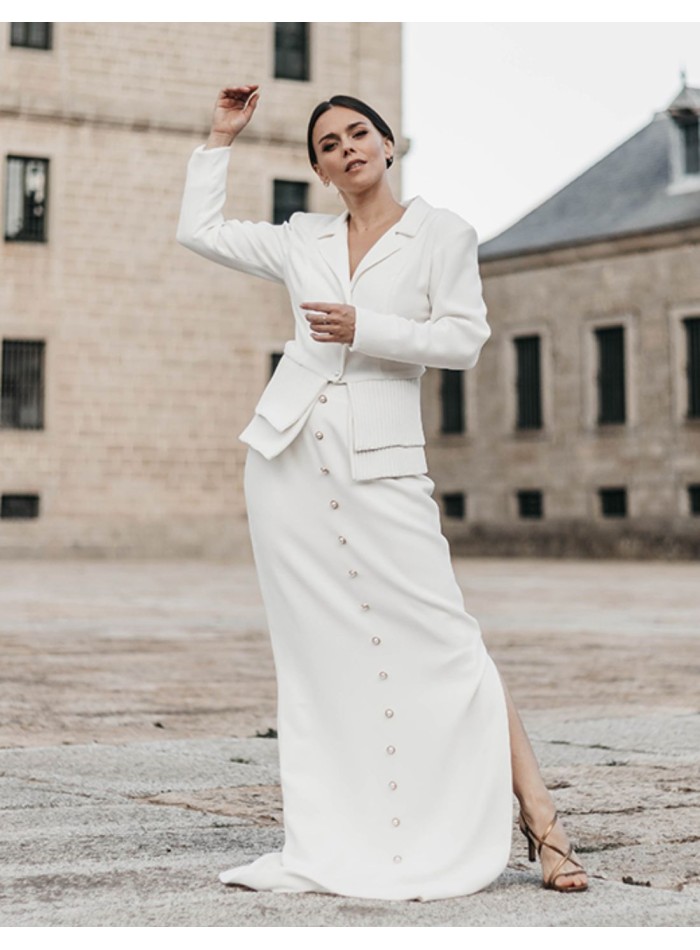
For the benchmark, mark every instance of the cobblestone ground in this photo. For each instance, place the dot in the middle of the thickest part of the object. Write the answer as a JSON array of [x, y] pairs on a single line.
[[601, 657]]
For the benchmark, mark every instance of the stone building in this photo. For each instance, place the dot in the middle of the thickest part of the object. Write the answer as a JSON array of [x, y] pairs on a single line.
[[130, 365], [579, 430]]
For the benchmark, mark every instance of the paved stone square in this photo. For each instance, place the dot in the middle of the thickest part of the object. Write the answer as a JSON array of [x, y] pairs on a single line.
[[138, 758]]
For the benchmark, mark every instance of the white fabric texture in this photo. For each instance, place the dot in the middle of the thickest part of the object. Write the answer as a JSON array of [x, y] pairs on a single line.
[[393, 733], [343, 564]]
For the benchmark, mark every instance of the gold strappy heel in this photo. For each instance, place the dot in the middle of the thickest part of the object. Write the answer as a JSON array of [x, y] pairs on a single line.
[[534, 848]]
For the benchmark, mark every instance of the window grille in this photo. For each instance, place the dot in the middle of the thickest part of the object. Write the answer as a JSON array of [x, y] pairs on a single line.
[[613, 502], [694, 499], [611, 374], [454, 504], [530, 503], [19, 506], [452, 400], [26, 198], [22, 384], [292, 51], [32, 35], [528, 382], [289, 196], [274, 360], [692, 365]]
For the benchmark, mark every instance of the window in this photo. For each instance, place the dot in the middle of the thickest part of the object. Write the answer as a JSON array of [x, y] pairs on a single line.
[[289, 196], [25, 206], [33, 35], [22, 384], [452, 400], [292, 51], [530, 503], [692, 365], [694, 499], [611, 374], [274, 360], [690, 143], [528, 384], [454, 505], [19, 506], [613, 502]]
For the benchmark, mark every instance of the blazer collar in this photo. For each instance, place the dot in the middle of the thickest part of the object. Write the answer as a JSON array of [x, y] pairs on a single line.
[[333, 241]]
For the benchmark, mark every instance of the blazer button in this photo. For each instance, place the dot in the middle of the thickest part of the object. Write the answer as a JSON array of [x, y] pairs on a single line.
[[319, 435], [323, 398]]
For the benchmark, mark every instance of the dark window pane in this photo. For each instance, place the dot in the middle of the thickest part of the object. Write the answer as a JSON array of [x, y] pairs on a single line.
[[530, 504], [22, 384], [454, 505], [613, 502], [691, 145], [694, 499], [26, 198], [289, 196], [291, 50], [452, 400], [274, 360], [34, 35], [19, 506], [611, 374], [692, 365], [528, 384]]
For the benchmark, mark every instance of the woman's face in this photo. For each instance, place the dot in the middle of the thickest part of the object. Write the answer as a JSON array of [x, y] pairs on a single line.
[[350, 152]]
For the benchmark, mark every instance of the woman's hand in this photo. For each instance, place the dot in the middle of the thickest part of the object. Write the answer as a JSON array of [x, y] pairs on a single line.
[[234, 109], [331, 322]]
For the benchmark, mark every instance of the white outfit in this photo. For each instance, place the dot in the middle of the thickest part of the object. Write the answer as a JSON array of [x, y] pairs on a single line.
[[392, 724]]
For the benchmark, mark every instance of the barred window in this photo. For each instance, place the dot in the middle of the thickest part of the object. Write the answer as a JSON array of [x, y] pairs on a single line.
[[611, 374], [528, 383], [292, 51], [452, 400], [19, 506], [694, 499], [454, 504], [613, 502], [530, 503], [26, 198], [289, 196], [22, 384], [692, 365], [33, 35]]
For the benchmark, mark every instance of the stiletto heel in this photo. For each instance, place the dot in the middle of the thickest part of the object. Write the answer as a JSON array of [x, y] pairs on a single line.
[[534, 847]]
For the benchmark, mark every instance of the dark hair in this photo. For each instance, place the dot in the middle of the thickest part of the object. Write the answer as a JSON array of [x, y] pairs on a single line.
[[357, 105]]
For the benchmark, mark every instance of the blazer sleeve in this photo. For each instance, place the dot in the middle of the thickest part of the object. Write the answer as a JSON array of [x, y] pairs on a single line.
[[254, 247], [456, 330]]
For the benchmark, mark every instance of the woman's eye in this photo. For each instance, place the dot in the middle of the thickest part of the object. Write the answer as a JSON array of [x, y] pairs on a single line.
[[327, 148], [360, 133]]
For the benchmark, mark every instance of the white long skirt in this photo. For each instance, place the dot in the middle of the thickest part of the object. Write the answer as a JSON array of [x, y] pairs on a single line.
[[392, 723]]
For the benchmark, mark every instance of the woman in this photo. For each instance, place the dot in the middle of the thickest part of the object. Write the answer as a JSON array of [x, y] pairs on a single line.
[[398, 742]]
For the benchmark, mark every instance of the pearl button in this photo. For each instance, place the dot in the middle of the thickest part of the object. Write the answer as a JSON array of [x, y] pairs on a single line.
[[376, 641], [397, 859], [383, 675], [364, 606], [323, 398], [342, 539], [390, 749], [334, 504], [393, 786], [396, 822], [319, 435], [352, 573], [389, 713], [325, 470]]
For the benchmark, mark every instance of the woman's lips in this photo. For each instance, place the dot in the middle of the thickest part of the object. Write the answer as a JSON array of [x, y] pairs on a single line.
[[354, 165]]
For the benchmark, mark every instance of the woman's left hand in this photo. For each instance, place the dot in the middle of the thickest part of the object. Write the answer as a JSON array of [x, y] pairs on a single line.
[[331, 322]]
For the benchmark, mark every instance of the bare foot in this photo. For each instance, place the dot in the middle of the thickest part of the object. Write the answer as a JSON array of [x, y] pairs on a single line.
[[553, 845]]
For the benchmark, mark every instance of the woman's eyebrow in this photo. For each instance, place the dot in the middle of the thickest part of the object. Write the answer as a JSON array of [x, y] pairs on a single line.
[[334, 135]]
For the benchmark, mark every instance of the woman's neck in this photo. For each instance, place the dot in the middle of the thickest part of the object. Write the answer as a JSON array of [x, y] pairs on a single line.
[[372, 209]]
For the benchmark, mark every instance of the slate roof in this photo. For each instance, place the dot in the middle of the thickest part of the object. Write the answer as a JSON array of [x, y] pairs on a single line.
[[624, 193]]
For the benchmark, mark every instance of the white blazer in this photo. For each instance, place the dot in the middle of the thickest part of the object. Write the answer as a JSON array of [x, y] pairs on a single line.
[[418, 300]]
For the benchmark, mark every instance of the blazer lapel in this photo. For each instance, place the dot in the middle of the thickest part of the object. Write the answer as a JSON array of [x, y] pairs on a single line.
[[333, 245]]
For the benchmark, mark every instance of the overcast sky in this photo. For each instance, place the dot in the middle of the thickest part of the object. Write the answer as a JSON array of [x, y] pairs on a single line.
[[502, 115]]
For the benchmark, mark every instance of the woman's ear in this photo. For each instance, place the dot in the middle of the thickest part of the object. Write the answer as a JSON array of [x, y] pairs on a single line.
[[388, 152], [325, 181]]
